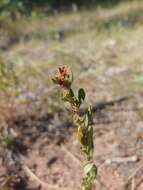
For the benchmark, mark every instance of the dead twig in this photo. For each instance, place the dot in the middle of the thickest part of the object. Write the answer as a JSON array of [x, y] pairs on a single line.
[[43, 184], [71, 155], [133, 184], [35, 178], [131, 176], [122, 160], [137, 185]]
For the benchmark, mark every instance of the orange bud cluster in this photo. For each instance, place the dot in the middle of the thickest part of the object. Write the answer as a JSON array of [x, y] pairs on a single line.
[[63, 77]]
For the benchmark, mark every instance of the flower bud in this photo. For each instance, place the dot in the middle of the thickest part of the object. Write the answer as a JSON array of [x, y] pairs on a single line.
[[63, 77]]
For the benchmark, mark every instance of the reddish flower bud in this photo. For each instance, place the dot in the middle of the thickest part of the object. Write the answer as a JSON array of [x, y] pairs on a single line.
[[63, 77]]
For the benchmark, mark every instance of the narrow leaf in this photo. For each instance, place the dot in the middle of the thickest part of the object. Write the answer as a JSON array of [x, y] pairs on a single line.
[[93, 172], [81, 95], [88, 167]]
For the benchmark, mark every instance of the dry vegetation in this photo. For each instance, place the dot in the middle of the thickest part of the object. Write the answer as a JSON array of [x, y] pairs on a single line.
[[104, 48]]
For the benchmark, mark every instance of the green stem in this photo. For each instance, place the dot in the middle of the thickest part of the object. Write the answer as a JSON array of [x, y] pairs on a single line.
[[85, 137]]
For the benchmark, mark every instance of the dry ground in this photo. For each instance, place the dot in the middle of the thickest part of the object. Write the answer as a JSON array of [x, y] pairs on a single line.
[[104, 48]]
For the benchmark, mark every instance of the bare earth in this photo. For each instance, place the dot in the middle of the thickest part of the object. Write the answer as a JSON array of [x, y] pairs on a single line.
[[104, 48], [53, 152]]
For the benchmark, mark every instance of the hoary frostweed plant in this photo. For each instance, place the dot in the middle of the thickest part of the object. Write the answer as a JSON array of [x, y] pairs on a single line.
[[64, 78]]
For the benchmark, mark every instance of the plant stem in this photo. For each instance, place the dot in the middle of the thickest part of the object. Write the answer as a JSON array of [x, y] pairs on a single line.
[[64, 78], [86, 141]]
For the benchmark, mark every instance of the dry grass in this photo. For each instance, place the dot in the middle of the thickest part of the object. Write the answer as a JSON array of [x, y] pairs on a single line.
[[103, 46]]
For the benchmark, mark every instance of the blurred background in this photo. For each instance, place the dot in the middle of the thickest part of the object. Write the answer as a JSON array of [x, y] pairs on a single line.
[[102, 41]]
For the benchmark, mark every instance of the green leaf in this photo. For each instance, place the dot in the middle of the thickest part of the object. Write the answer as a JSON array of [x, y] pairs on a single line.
[[86, 121], [71, 93], [81, 95], [90, 142], [93, 172], [89, 112], [88, 167], [90, 109], [88, 116]]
